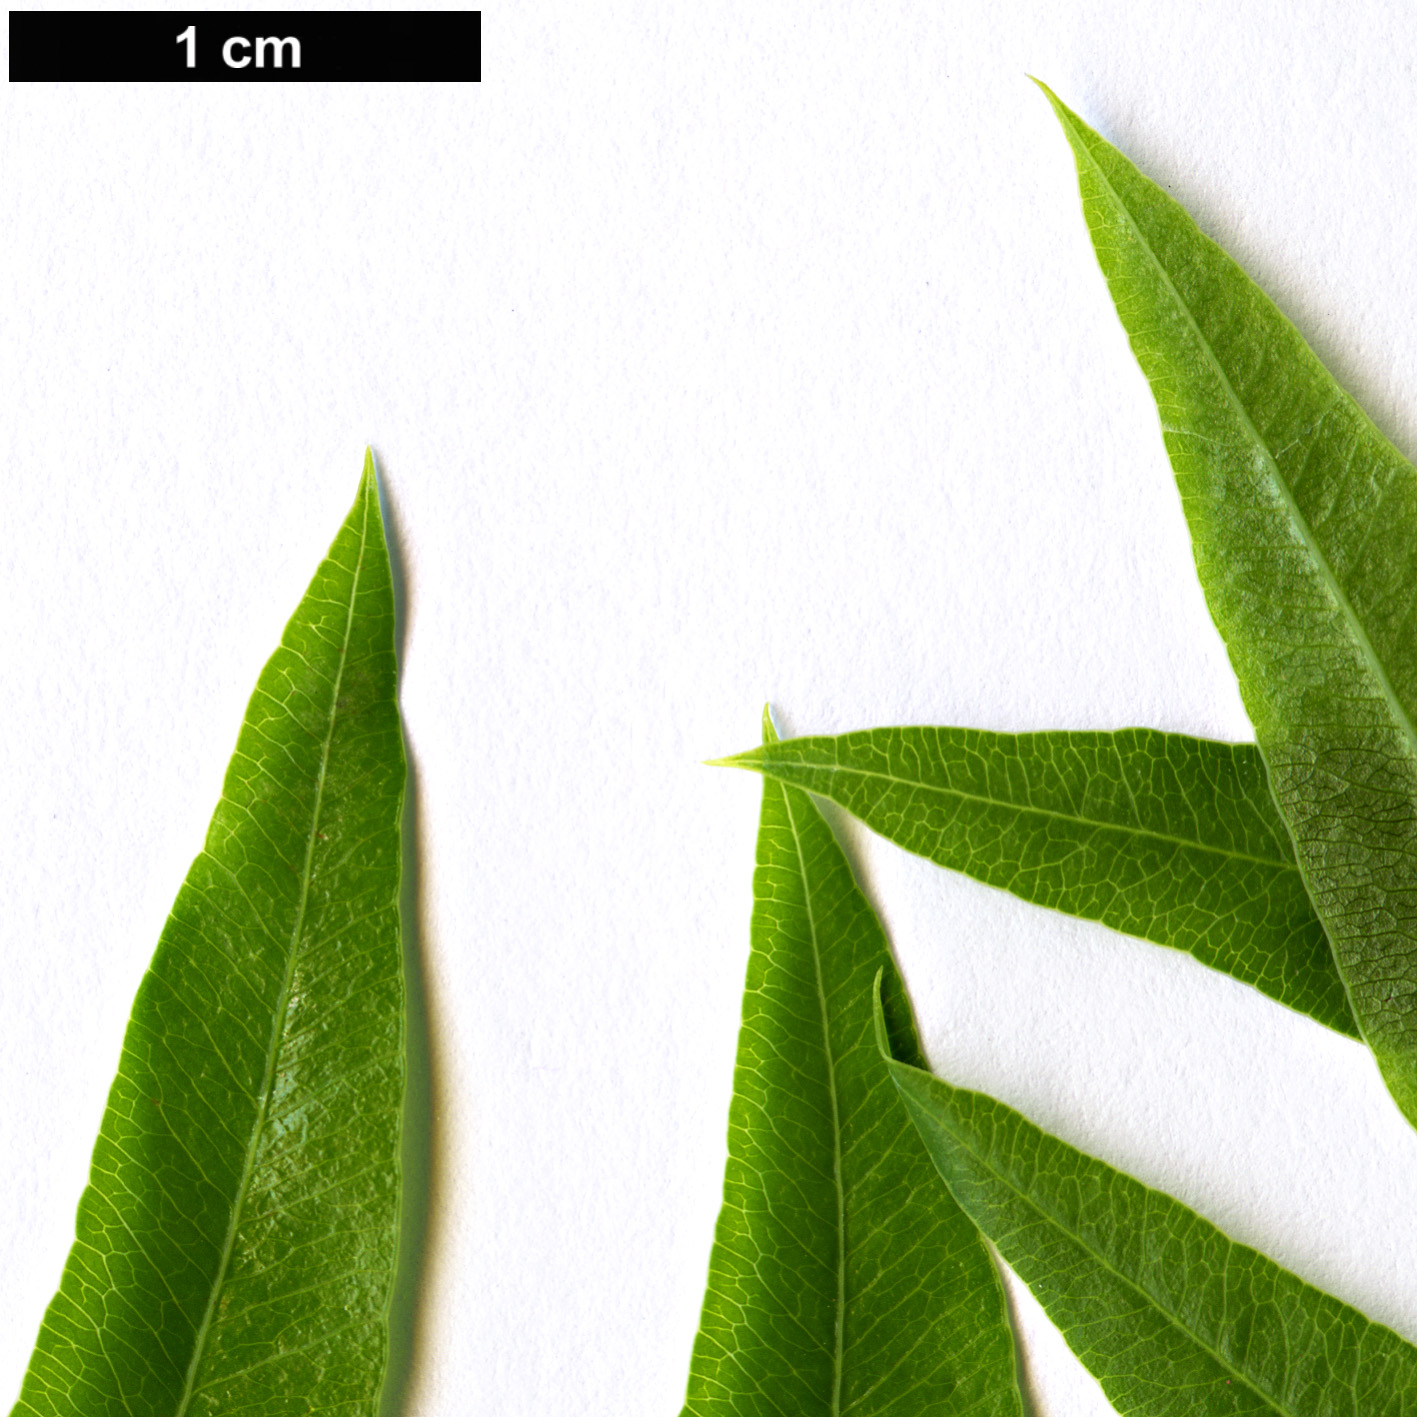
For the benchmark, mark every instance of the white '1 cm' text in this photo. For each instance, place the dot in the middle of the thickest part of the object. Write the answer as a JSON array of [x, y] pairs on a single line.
[[233, 59]]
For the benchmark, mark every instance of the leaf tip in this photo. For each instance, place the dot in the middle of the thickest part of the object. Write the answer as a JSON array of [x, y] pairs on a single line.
[[368, 501], [770, 734], [735, 760], [878, 1016], [751, 759], [1063, 112]]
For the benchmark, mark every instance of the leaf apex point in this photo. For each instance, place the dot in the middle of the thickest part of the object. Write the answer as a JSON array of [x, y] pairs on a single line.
[[878, 1017], [1059, 107], [734, 760]]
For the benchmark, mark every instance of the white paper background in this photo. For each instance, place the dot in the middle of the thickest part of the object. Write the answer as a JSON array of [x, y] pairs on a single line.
[[711, 354]]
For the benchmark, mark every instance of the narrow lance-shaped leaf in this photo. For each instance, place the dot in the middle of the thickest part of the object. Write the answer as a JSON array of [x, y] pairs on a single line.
[[1303, 520], [838, 1282], [236, 1243], [1174, 839], [1172, 1317]]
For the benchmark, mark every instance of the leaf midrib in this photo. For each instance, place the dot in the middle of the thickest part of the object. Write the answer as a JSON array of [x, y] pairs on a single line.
[[283, 1004], [839, 1326], [1105, 1263], [1270, 862], [1297, 518]]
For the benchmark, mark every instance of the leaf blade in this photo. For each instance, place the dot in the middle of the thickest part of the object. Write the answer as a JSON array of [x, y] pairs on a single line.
[[1303, 522], [210, 1243], [833, 1287], [1171, 1316], [1169, 838]]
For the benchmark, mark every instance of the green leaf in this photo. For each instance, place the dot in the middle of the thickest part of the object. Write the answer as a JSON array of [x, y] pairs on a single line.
[[1170, 838], [1171, 1316], [838, 1282], [236, 1243], [1303, 520]]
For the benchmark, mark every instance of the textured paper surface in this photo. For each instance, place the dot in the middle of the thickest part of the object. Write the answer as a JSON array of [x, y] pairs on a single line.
[[710, 357]]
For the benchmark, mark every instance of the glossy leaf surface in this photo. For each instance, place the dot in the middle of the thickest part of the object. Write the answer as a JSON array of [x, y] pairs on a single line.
[[1303, 519], [236, 1243], [1171, 1316], [1171, 838], [839, 1282]]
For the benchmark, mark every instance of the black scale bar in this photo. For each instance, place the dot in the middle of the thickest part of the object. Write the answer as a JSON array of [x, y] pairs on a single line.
[[243, 47]]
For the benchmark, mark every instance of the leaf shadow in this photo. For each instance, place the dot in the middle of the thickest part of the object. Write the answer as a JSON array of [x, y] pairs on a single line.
[[423, 1158], [1028, 1397]]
